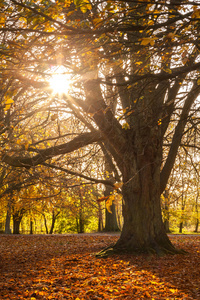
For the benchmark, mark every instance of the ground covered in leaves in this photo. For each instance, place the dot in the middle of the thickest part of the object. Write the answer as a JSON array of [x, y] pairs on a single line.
[[65, 267]]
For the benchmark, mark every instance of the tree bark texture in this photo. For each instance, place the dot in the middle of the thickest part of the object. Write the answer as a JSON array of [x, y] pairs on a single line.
[[143, 229]]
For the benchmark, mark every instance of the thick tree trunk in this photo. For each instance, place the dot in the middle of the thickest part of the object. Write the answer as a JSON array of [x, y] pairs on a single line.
[[143, 230], [17, 217]]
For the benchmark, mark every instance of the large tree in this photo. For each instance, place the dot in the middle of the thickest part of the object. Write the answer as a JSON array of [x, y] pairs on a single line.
[[136, 76]]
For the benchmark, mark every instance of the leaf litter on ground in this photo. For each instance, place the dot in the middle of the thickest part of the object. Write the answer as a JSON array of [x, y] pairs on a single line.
[[65, 267]]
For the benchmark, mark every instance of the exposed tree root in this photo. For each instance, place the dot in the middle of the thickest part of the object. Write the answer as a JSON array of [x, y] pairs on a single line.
[[106, 252], [158, 250]]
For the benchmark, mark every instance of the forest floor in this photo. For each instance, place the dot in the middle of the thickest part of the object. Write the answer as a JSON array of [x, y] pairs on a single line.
[[65, 267]]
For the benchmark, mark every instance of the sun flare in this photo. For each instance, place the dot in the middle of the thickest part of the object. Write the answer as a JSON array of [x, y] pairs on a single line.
[[60, 81]]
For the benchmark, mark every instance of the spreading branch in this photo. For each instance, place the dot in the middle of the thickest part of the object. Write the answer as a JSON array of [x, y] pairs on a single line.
[[78, 142]]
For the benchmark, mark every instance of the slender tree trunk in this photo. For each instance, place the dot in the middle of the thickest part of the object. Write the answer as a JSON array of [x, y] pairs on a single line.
[[52, 225], [45, 224], [31, 226], [53, 221], [166, 211], [197, 225], [181, 227], [7, 226], [111, 218], [100, 218], [81, 221], [8, 218], [197, 212], [182, 214], [81, 224]]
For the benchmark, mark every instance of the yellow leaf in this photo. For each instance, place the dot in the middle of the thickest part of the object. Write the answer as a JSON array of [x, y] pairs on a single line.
[[118, 185], [26, 146], [130, 112], [146, 41], [126, 126], [7, 107], [85, 5], [172, 290], [198, 81], [97, 21], [109, 203], [168, 71], [196, 14], [9, 101]]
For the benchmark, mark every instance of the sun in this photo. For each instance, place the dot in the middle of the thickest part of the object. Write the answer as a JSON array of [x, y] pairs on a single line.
[[60, 81]]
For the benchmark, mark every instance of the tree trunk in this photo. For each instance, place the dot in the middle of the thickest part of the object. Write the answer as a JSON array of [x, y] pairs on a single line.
[[166, 211], [197, 225], [81, 224], [111, 218], [45, 224], [7, 226], [54, 217], [197, 212], [143, 230], [52, 225], [31, 227], [17, 217], [100, 218], [8, 218], [182, 212], [181, 227]]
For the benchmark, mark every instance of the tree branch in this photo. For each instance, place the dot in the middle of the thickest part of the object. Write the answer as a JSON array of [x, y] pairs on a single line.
[[103, 181], [176, 141], [80, 141]]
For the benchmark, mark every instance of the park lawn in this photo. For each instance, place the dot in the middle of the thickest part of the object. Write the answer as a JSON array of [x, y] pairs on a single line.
[[65, 267]]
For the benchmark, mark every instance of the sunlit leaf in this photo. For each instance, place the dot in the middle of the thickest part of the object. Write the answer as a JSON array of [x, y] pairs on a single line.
[[126, 126], [118, 185]]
